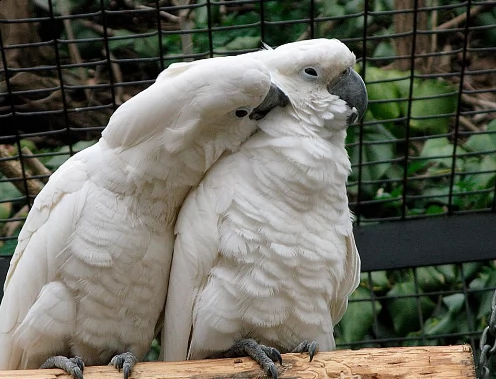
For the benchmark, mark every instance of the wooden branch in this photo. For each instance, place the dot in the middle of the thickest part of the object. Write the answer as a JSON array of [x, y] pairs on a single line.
[[400, 362], [185, 25], [165, 15], [404, 23], [35, 165], [12, 169], [10, 227], [74, 53], [462, 17]]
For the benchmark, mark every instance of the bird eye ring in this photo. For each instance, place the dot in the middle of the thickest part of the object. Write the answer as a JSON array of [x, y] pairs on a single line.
[[242, 112], [311, 71]]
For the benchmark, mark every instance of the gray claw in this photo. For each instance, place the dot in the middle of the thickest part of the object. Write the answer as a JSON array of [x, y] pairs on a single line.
[[313, 348], [73, 366], [124, 362], [272, 371], [262, 354], [272, 353], [307, 347]]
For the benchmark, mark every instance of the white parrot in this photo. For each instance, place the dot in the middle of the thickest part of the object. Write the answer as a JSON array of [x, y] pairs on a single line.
[[88, 278], [264, 247]]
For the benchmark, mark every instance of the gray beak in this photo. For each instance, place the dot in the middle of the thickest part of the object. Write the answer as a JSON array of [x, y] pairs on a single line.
[[351, 89], [274, 98]]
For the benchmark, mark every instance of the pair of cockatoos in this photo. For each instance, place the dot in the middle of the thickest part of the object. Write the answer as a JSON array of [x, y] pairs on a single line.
[[263, 245]]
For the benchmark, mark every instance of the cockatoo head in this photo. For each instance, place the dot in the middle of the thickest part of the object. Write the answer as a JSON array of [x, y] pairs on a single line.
[[207, 106], [318, 78]]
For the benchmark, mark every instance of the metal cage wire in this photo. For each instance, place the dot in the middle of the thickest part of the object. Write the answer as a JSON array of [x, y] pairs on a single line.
[[425, 149]]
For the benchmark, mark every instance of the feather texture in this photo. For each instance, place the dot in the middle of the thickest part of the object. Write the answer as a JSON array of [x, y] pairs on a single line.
[[89, 275], [264, 246]]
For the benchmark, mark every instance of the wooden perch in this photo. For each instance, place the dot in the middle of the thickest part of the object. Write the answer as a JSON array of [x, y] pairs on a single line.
[[12, 169], [398, 362]]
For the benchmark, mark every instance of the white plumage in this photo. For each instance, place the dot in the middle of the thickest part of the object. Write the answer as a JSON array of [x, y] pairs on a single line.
[[89, 274], [264, 246]]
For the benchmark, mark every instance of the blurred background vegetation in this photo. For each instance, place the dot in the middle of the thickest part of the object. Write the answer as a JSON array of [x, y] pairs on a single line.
[[425, 147]]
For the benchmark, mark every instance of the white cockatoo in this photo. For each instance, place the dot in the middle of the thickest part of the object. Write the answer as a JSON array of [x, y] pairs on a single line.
[[88, 278], [264, 247]]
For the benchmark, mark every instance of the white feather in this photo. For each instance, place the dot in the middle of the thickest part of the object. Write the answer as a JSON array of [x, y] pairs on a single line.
[[277, 260], [89, 275]]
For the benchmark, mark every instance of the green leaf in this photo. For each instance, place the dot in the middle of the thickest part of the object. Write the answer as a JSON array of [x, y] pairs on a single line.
[[440, 151], [384, 50], [385, 92], [486, 180], [431, 98], [147, 46], [359, 316], [450, 272], [8, 247], [454, 302], [58, 160], [481, 142], [445, 322], [124, 43], [485, 279], [471, 269], [380, 281], [404, 311], [241, 43], [28, 143], [373, 152], [5, 211], [9, 191], [429, 278]]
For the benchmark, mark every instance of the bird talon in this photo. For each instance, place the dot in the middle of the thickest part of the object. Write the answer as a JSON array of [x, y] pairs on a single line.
[[272, 371], [73, 366], [77, 373], [313, 348], [127, 370], [79, 362], [277, 354], [272, 353], [124, 362]]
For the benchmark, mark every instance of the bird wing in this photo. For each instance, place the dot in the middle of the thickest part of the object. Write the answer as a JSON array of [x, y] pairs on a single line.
[[349, 283], [57, 207], [195, 252]]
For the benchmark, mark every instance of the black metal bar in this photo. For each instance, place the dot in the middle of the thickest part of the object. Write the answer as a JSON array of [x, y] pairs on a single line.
[[160, 37], [107, 52], [427, 242], [457, 118], [409, 111], [361, 124]]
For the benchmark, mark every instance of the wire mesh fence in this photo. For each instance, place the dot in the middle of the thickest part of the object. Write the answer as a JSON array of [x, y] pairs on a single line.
[[425, 148]]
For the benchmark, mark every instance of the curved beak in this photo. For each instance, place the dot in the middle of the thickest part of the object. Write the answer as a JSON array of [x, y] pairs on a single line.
[[351, 89], [275, 97]]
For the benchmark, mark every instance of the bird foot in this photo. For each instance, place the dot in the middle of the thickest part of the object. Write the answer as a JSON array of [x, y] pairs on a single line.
[[124, 362], [311, 348], [73, 366], [265, 356]]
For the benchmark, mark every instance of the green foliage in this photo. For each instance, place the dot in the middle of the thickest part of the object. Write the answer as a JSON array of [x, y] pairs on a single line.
[[359, 316], [57, 161], [410, 306], [387, 304], [404, 311]]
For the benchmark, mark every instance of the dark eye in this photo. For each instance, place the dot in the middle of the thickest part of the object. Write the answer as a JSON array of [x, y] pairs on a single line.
[[240, 113], [311, 71]]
